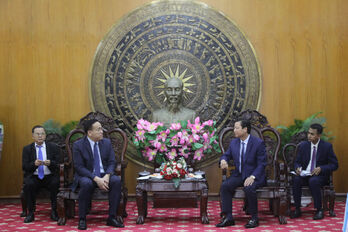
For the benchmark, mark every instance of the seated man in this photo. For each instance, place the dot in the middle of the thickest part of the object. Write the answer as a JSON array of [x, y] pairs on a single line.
[[94, 162], [317, 158], [249, 156], [40, 162]]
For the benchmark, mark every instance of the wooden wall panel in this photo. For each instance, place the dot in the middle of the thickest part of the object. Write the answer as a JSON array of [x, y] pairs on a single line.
[[47, 47]]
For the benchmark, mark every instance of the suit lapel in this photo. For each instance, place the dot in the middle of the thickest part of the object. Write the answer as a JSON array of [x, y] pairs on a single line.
[[88, 145], [320, 146], [248, 148]]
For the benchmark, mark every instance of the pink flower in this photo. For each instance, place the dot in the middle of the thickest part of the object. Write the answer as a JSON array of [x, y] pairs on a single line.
[[175, 126], [208, 123], [152, 126], [183, 136], [151, 153], [142, 124], [172, 154], [198, 154], [175, 140], [184, 151], [163, 135], [156, 143], [162, 148], [206, 137], [140, 134], [196, 128]]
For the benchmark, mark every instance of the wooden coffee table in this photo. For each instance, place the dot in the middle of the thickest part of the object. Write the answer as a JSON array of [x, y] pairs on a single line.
[[200, 186]]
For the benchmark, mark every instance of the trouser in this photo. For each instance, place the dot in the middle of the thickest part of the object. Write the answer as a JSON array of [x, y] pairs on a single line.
[[87, 187], [314, 182], [32, 185]]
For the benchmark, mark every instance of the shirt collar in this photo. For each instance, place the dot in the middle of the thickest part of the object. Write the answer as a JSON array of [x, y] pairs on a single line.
[[43, 145], [91, 141], [246, 140]]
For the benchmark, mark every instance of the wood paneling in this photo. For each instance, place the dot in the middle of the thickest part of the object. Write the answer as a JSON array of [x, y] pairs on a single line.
[[47, 47]]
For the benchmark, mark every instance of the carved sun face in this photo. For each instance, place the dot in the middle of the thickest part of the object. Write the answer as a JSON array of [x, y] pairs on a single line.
[[177, 74]]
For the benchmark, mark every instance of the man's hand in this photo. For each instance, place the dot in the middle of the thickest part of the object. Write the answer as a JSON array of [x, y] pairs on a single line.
[[298, 170], [106, 179], [38, 162], [249, 181], [316, 171], [101, 184], [223, 164], [47, 162]]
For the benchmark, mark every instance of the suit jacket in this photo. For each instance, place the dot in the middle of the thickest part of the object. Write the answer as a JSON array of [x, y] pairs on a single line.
[[326, 158], [84, 160], [29, 156], [255, 158]]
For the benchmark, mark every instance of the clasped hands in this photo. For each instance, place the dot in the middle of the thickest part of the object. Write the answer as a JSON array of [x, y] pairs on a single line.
[[42, 162], [248, 181], [316, 171], [103, 183]]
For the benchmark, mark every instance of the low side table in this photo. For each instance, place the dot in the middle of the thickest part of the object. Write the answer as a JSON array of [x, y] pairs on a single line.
[[186, 185]]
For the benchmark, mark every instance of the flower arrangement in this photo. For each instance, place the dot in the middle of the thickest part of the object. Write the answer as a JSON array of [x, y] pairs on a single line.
[[182, 139], [174, 170]]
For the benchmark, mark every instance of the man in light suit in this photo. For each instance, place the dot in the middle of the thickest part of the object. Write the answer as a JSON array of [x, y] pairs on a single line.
[[317, 158], [40, 162], [94, 163], [249, 156]]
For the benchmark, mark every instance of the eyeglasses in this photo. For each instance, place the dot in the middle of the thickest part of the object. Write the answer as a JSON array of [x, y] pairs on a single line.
[[39, 134]]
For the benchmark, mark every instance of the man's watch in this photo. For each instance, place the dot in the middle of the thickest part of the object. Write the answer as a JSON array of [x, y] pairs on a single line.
[[253, 177]]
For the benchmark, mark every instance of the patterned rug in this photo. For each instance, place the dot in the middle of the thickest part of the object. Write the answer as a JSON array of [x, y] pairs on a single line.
[[182, 220]]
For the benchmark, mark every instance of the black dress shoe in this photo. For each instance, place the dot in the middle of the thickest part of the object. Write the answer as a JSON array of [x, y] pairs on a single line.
[[319, 215], [226, 222], [29, 218], [113, 222], [252, 223], [82, 224], [54, 215], [296, 213]]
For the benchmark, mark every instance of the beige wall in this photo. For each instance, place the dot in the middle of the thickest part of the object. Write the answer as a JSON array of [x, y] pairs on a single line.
[[47, 47]]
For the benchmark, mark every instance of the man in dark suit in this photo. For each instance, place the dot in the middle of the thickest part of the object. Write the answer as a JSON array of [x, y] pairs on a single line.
[[249, 156], [40, 162], [316, 158], [94, 162]]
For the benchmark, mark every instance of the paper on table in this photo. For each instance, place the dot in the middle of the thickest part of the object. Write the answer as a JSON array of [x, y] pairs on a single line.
[[303, 173]]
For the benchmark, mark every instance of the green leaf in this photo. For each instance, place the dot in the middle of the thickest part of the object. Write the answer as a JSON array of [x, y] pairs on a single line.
[[183, 124], [196, 146], [160, 158]]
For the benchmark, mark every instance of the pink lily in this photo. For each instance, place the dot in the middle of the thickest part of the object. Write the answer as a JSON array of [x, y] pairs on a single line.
[[208, 123], [140, 134], [172, 154], [198, 154], [163, 135], [206, 137], [163, 148], [175, 126], [156, 143], [175, 140], [151, 153], [196, 128], [142, 124], [152, 126], [184, 151], [183, 136]]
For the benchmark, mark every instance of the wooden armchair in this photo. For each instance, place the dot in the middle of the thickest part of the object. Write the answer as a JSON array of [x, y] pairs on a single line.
[[66, 197], [275, 191], [44, 193], [328, 192]]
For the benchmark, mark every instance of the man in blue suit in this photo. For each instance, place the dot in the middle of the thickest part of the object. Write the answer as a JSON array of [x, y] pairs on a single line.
[[94, 163], [316, 158], [249, 156]]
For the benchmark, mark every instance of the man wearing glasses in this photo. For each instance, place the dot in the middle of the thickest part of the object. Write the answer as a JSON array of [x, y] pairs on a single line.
[[40, 162]]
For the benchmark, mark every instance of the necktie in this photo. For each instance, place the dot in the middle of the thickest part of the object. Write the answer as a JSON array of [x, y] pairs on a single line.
[[242, 157], [314, 158], [96, 160], [40, 169]]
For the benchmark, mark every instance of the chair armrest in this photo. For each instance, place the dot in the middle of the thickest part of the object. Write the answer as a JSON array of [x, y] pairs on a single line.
[[61, 175], [118, 169]]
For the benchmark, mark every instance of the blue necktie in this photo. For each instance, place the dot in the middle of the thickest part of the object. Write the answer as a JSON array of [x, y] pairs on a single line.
[[96, 160], [241, 157], [40, 169], [314, 159]]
